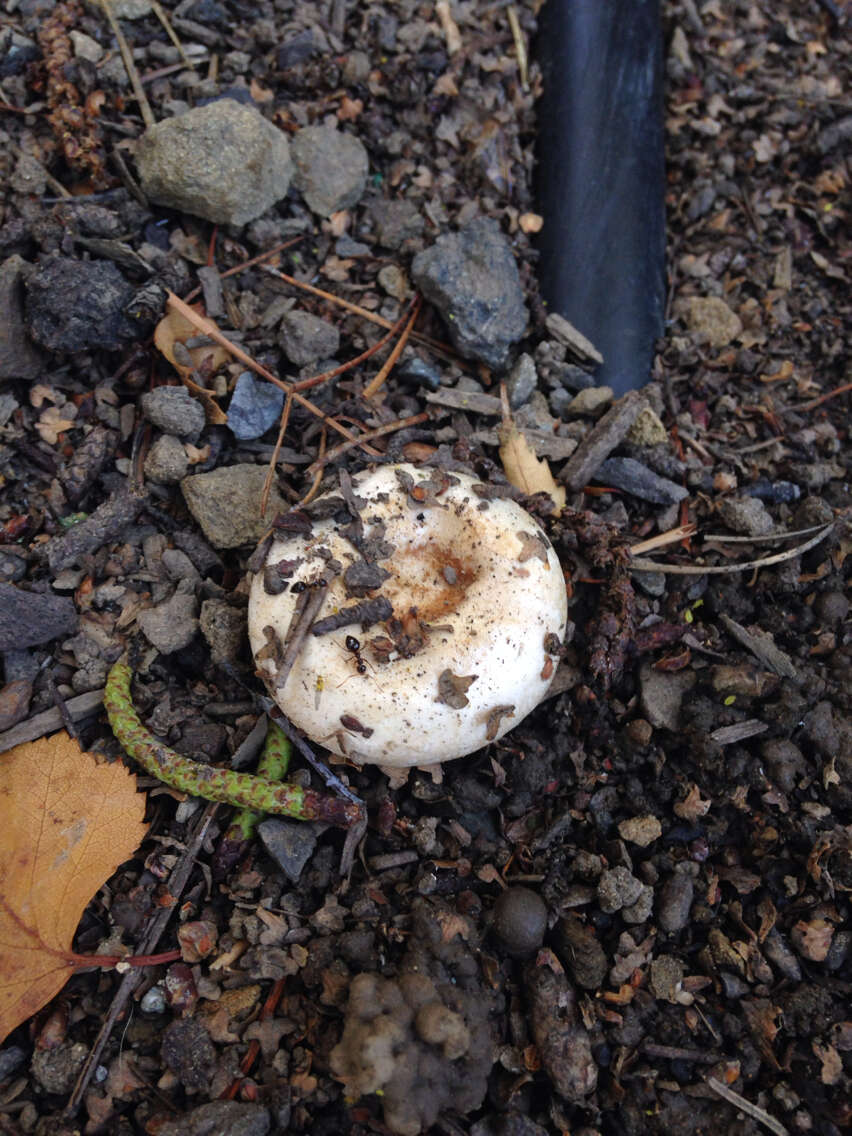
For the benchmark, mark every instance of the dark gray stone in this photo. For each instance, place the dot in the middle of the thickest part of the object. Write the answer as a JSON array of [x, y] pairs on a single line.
[[632, 477], [472, 279], [745, 515], [255, 407], [290, 843], [172, 625], [30, 618], [521, 381], [226, 504], [397, 222], [331, 169], [305, 338], [19, 358], [73, 305], [418, 373], [166, 461], [174, 411], [223, 161]]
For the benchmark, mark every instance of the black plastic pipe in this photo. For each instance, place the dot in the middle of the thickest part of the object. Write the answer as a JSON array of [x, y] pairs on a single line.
[[601, 177]]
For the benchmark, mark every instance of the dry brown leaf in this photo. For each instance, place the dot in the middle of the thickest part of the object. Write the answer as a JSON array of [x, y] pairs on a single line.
[[68, 822], [524, 470], [176, 328]]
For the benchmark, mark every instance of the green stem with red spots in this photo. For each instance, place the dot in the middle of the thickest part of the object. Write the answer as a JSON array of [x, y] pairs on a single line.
[[273, 765], [260, 794]]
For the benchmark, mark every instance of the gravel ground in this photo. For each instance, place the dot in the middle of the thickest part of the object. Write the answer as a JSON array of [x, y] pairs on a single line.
[[628, 915]]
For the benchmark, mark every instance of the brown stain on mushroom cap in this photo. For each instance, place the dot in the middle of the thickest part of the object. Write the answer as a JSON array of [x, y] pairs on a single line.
[[420, 577]]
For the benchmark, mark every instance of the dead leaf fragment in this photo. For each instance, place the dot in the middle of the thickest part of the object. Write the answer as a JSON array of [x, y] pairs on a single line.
[[174, 328], [523, 469], [452, 689], [68, 822], [812, 939]]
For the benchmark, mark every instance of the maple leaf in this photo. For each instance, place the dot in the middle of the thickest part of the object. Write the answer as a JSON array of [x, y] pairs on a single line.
[[68, 822]]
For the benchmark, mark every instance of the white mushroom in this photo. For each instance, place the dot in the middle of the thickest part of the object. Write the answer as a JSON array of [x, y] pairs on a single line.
[[460, 607]]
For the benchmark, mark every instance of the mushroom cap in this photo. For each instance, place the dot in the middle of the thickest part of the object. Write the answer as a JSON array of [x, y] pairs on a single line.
[[479, 610]]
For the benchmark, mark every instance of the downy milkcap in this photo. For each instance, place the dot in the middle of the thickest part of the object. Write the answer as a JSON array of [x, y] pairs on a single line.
[[441, 609]]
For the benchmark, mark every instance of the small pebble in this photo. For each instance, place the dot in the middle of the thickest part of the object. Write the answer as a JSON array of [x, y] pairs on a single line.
[[255, 407], [166, 462], [520, 920], [153, 1001], [675, 902], [174, 411]]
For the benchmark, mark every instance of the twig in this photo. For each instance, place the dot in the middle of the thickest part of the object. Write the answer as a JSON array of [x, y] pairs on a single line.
[[270, 473], [434, 344], [752, 1110], [315, 380], [209, 328], [388, 428], [129, 65], [452, 35], [767, 538], [243, 265], [379, 378], [815, 402], [641, 565], [332, 781], [46, 174], [50, 720], [177, 882], [673, 536], [520, 46], [61, 706], [317, 481], [162, 16]]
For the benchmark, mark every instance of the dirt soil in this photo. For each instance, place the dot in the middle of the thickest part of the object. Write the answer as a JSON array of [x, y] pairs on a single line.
[[628, 915]]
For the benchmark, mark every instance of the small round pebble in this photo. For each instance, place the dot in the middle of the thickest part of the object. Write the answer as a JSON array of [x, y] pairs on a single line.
[[520, 920]]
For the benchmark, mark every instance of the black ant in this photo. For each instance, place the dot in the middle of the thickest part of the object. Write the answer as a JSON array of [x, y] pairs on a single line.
[[354, 645]]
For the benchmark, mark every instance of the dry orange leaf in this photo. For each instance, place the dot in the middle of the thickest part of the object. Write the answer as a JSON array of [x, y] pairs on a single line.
[[176, 328], [524, 470], [68, 822]]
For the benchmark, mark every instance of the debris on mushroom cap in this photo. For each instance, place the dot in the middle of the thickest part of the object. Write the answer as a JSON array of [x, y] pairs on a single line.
[[409, 618]]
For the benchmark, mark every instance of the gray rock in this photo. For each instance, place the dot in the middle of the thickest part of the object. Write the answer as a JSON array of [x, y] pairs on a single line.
[[590, 401], [224, 628], [675, 902], [521, 381], [814, 475], [472, 279], [641, 910], [226, 504], [785, 762], [255, 407], [651, 583], [73, 305], [178, 566], [222, 161], [331, 169], [662, 694], [172, 625], [745, 515], [174, 411], [166, 461], [19, 358], [56, 1067], [417, 372], [290, 843], [305, 338], [220, 1118], [832, 607], [618, 888], [30, 618], [632, 477], [397, 222]]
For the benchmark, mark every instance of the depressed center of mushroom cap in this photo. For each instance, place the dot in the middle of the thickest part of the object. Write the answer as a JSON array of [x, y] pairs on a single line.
[[477, 603]]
